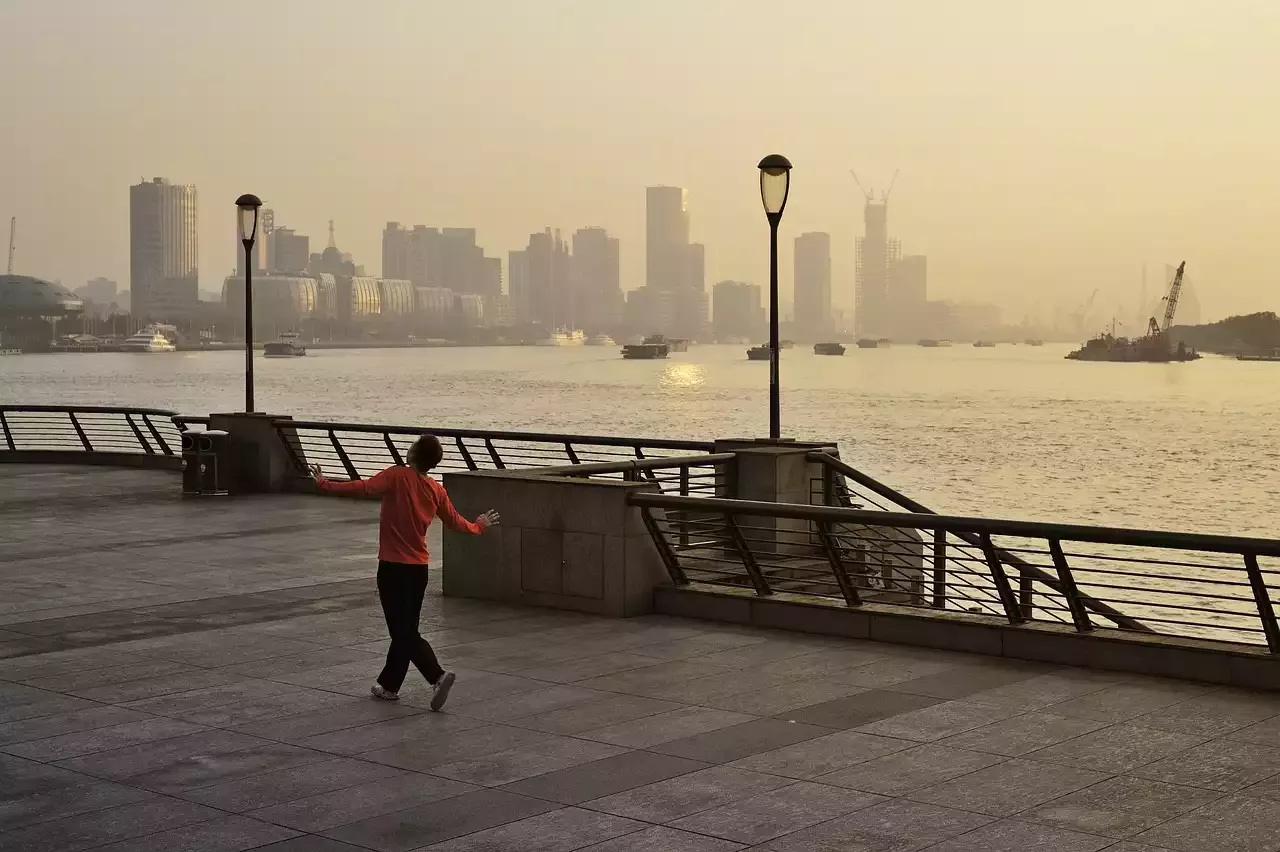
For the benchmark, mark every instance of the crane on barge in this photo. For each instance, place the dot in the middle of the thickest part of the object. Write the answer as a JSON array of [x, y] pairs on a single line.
[[1154, 347]]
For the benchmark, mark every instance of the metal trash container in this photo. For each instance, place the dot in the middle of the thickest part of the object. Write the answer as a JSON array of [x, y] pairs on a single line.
[[206, 462]]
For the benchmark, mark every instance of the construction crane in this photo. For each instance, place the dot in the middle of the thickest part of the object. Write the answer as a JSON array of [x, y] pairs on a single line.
[[13, 233], [1170, 304], [1082, 313], [870, 194]]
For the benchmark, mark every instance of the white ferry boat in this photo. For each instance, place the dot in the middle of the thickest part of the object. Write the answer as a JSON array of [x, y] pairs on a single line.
[[148, 339], [601, 340], [564, 337]]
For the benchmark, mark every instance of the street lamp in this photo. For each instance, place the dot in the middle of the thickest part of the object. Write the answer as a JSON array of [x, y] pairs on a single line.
[[247, 207], [775, 186]]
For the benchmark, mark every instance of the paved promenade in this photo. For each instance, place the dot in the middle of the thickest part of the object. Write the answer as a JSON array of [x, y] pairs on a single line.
[[193, 675]]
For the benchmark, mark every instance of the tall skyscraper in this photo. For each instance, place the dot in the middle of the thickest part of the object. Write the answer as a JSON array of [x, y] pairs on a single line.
[[164, 275], [597, 279], [666, 256], [541, 289], [812, 284], [871, 299], [736, 310], [287, 251], [909, 297]]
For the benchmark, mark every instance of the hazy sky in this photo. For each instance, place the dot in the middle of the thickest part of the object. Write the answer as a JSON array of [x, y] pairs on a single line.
[[1046, 148]]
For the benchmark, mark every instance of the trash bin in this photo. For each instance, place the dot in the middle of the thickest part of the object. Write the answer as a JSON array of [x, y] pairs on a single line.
[[206, 462]]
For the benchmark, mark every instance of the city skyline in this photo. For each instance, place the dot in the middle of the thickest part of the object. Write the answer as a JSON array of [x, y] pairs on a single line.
[[1043, 151]]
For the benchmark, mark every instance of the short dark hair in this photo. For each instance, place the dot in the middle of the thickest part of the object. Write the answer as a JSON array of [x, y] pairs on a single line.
[[425, 453]]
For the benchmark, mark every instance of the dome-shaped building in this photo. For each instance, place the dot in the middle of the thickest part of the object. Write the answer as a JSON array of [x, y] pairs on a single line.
[[27, 297]]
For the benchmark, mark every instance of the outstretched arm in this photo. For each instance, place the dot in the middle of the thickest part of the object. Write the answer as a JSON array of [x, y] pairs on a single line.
[[454, 521], [375, 487]]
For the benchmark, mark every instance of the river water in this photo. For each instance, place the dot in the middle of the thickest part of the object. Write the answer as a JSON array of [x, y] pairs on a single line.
[[1012, 431]]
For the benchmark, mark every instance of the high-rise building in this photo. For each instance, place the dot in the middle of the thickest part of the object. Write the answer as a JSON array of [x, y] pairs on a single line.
[[597, 279], [871, 315], [736, 310], [812, 285], [541, 288], [164, 277], [103, 291], [287, 251], [908, 297], [666, 259], [441, 258]]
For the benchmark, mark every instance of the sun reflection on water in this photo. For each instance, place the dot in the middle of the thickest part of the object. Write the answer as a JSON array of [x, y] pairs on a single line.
[[682, 377]]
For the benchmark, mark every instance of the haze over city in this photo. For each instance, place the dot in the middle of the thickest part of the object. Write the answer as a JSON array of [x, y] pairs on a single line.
[[1044, 150]]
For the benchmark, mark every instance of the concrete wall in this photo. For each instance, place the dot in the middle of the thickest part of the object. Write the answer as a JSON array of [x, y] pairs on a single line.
[[563, 543]]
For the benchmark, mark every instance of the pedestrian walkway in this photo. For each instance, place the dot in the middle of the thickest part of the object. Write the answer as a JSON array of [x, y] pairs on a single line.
[[193, 675]]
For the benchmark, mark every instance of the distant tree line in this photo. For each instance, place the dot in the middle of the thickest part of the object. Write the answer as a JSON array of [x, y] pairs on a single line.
[[1258, 332]]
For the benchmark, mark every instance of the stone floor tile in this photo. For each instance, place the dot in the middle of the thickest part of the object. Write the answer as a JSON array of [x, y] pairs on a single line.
[[228, 834], [299, 726], [424, 825], [829, 663], [1230, 824], [910, 769], [858, 710], [670, 800], [123, 763], [1221, 765], [55, 705], [191, 773], [262, 709], [762, 818], [780, 698], [540, 700], [738, 741], [595, 714], [666, 727], [1128, 700], [1119, 807], [578, 784], [28, 807], [822, 755], [689, 647], [391, 732], [759, 654], [310, 843], [725, 683], [893, 825], [195, 700], [101, 739], [589, 667], [1214, 714], [105, 826], [1016, 836], [1023, 734], [1038, 692], [1119, 748], [360, 802], [136, 690], [104, 675], [930, 724], [425, 754], [963, 681], [77, 721], [646, 680], [1008, 788], [663, 839], [557, 831], [889, 672], [507, 767], [272, 788]]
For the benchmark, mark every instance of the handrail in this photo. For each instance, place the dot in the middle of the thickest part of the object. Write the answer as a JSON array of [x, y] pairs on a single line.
[[637, 465], [547, 437], [89, 434], [972, 539], [1176, 581], [88, 409], [1208, 542]]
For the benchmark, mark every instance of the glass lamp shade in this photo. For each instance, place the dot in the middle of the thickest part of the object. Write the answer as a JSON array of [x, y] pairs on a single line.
[[247, 215], [775, 183]]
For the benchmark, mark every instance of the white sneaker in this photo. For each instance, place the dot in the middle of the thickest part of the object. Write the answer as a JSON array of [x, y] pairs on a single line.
[[441, 690], [377, 691]]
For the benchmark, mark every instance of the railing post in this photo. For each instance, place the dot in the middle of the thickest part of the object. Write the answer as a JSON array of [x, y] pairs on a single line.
[[828, 485], [748, 558], [155, 433], [1079, 613], [466, 454], [684, 514], [1266, 612], [939, 569], [8, 436], [392, 448], [352, 473], [1007, 598], [493, 454], [573, 457], [84, 439], [847, 587], [137, 433], [1026, 595], [665, 550]]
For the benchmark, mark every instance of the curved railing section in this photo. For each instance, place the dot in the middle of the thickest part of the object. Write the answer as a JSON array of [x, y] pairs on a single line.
[[1174, 584], [358, 450], [90, 434]]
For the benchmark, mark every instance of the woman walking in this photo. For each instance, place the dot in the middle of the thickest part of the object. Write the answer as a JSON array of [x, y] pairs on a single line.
[[410, 501]]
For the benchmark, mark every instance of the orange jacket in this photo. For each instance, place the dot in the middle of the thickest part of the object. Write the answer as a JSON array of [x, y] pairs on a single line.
[[410, 502]]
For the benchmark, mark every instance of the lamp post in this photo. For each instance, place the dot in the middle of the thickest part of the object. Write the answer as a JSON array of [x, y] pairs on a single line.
[[775, 185], [247, 207]]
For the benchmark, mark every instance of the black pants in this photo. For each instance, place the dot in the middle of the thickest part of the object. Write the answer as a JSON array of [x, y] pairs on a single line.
[[400, 588]]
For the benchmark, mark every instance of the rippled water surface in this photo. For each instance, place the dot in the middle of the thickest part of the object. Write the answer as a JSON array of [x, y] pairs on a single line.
[[1012, 431]]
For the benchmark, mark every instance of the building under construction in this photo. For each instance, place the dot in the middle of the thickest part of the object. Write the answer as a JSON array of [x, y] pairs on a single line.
[[1154, 347]]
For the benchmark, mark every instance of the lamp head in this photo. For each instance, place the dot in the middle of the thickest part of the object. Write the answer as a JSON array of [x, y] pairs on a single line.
[[775, 185], [247, 214]]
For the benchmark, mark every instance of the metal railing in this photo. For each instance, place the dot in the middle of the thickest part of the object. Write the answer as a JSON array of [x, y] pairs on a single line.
[[1178, 584], [357, 450], [86, 433]]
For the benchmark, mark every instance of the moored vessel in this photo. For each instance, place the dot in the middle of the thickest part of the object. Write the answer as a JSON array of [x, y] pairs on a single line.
[[828, 349]]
